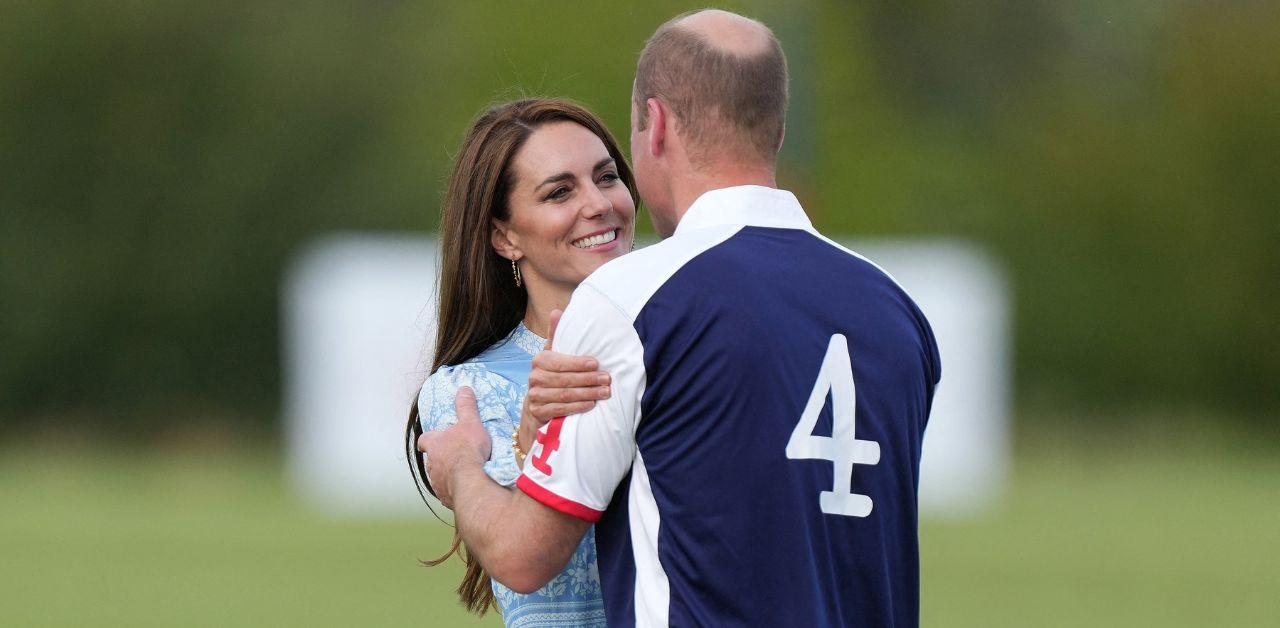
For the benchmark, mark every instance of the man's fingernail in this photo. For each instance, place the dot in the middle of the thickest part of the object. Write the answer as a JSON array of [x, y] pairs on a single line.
[[602, 392], [603, 379]]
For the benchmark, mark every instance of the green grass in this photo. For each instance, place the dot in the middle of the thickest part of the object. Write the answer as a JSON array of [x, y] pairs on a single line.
[[218, 541], [1118, 538]]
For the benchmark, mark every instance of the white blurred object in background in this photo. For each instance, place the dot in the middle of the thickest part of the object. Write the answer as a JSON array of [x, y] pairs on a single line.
[[359, 322], [965, 460], [359, 317]]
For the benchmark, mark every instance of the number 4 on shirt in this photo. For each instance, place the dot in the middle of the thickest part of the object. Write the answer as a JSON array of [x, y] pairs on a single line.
[[550, 441], [842, 448]]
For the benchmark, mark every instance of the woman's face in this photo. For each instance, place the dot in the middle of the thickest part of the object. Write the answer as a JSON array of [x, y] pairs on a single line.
[[569, 211]]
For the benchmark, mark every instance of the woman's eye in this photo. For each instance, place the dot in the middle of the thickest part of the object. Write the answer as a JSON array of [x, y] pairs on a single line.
[[609, 177], [558, 193]]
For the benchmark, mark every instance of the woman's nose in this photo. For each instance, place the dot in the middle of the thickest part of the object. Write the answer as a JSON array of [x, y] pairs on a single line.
[[597, 204]]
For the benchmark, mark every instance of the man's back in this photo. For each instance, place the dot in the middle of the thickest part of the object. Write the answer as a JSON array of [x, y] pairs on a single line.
[[786, 385]]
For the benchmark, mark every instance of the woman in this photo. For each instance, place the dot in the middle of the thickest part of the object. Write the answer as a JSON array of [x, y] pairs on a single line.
[[540, 196]]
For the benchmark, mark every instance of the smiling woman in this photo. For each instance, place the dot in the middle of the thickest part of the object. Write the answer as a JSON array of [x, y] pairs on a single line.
[[565, 212], [539, 198]]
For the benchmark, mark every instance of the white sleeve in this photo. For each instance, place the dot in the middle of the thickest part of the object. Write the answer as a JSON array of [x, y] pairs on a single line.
[[578, 461]]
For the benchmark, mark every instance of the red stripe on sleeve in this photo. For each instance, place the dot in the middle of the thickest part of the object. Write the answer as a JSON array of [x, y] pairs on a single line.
[[549, 499]]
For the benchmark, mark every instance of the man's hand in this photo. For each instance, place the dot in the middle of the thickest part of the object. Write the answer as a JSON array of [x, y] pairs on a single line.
[[559, 385], [465, 442]]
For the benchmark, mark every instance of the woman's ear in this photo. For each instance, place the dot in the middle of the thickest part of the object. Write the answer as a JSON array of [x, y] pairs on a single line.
[[500, 237]]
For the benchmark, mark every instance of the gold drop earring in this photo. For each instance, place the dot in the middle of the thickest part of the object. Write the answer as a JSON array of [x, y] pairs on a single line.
[[515, 272]]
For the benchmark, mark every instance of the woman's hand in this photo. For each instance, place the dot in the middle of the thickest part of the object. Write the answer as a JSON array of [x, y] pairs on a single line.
[[559, 385]]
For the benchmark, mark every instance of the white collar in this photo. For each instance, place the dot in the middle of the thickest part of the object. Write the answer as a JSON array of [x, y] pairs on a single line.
[[751, 205]]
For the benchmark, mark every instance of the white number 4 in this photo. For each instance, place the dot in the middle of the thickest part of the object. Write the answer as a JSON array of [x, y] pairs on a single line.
[[842, 447]]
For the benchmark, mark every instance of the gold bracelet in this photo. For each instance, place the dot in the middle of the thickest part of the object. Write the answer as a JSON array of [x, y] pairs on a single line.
[[515, 446]]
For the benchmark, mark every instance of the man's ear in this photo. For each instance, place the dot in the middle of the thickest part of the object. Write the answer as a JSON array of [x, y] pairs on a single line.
[[658, 120], [500, 237]]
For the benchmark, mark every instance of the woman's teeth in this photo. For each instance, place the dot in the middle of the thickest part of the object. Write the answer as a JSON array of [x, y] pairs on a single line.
[[596, 240]]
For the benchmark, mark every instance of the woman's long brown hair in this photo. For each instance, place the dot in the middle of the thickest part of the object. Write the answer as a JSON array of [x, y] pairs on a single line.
[[479, 301]]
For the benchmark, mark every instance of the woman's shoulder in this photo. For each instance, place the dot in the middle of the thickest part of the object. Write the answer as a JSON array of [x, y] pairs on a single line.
[[435, 400], [462, 373], [510, 358]]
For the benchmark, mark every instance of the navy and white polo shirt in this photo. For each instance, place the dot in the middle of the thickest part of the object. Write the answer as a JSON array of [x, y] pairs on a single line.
[[758, 461]]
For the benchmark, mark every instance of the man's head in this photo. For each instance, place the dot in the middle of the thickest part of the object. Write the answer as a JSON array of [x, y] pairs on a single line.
[[710, 95]]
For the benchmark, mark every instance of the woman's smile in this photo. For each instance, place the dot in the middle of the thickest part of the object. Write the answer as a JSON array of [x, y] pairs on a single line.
[[599, 241]]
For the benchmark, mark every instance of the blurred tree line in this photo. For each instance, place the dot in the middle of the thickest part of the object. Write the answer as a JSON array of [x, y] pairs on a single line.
[[161, 161]]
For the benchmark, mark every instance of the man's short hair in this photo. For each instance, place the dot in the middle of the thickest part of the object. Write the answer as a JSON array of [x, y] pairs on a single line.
[[722, 100]]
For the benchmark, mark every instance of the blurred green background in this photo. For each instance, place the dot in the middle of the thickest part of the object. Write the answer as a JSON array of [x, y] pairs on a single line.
[[160, 163]]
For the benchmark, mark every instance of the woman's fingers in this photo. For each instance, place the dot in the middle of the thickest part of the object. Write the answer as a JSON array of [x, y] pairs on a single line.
[[546, 412], [561, 363], [561, 384], [567, 395], [548, 379], [555, 321]]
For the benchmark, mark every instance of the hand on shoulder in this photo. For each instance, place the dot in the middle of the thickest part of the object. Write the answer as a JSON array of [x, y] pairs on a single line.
[[559, 385]]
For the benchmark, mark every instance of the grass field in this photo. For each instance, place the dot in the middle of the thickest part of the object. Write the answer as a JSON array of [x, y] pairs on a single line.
[[1141, 536]]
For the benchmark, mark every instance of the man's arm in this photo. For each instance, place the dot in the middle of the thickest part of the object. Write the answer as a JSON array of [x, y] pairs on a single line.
[[577, 462], [559, 385], [520, 542]]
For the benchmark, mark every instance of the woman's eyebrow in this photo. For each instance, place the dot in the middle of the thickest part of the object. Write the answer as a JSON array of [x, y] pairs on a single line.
[[556, 178], [566, 175]]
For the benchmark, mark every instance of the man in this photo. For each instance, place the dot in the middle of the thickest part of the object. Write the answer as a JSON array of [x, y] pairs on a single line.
[[757, 463]]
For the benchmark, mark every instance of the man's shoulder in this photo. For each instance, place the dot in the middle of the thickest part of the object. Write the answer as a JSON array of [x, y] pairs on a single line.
[[855, 257], [629, 281]]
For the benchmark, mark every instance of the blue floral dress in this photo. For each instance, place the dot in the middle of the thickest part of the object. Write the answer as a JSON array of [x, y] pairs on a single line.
[[500, 377]]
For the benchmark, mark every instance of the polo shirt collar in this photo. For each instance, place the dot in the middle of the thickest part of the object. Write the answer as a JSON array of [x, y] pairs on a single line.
[[750, 205]]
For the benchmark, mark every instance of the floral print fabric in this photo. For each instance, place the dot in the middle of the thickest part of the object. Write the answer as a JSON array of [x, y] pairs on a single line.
[[499, 377]]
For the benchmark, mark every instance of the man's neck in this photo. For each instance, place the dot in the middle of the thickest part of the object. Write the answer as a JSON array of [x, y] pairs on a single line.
[[685, 190]]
